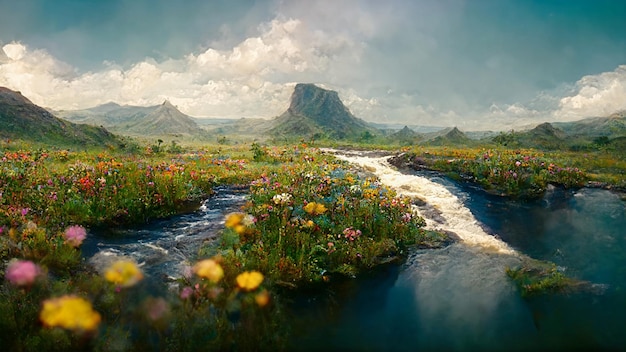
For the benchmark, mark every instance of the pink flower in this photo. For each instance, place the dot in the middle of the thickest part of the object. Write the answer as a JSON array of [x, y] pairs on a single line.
[[351, 234], [186, 292], [22, 272], [74, 235]]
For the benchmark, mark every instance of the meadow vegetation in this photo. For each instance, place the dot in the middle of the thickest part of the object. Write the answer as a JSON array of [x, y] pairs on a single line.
[[520, 173], [309, 220]]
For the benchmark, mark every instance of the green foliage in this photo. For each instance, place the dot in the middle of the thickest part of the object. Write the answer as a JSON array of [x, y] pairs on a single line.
[[536, 278], [516, 173]]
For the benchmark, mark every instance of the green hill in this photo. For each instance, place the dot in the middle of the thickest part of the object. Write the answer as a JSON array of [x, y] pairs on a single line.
[[151, 121], [21, 119], [450, 137]]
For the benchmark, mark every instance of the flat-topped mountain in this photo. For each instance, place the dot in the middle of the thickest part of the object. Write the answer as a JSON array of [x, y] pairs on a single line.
[[21, 119], [317, 111]]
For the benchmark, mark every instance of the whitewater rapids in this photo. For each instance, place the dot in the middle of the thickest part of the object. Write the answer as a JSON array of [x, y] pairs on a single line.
[[450, 213]]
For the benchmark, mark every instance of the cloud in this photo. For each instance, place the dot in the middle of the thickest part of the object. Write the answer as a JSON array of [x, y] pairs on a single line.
[[386, 65], [595, 95], [253, 79]]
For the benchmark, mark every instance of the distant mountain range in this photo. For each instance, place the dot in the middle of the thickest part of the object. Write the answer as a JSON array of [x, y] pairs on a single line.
[[159, 120], [21, 119], [313, 113]]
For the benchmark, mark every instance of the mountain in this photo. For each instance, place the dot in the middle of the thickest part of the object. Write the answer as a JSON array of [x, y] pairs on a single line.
[[315, 111], [611, 126], [21, 119], [405, 136], [451, 136], [159, 120], [165, 119], [109, 115]]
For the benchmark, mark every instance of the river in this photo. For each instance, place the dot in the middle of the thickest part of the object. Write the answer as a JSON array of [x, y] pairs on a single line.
[[459, 298], [454, 298]]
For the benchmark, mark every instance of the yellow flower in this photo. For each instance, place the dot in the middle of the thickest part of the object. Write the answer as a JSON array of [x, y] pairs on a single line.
[[124, 273], [240, 229], [234, 219], [314, 208], [239, 222], [209, 269], [69, 312], [249, 280]]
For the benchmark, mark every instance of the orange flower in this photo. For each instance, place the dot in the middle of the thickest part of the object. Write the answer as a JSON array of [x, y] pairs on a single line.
[[262, 298]]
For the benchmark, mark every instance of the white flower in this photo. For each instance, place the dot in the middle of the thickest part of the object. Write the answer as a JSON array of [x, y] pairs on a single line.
[[282, 198]]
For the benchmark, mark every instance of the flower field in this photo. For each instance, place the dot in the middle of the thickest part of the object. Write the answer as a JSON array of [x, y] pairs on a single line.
[[516, 173], [309, 219]]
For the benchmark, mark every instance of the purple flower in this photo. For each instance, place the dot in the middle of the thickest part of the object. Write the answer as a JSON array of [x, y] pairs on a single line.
[[22, 272], [74, 235]]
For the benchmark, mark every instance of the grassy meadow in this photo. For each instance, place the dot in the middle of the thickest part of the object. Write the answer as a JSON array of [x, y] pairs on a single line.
[[310, 220]]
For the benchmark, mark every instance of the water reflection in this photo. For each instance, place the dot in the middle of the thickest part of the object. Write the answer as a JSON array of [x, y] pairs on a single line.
[[458, 298]]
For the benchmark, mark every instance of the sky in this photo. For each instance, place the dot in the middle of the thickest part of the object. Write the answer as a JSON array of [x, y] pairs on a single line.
[[474, 64]]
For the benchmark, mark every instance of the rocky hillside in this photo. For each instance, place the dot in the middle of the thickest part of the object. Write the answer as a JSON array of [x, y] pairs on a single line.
[[317, 112]]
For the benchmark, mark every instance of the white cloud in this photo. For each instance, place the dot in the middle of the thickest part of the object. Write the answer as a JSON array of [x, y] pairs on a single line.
[[595, 95], [14, 51], [252, 79]]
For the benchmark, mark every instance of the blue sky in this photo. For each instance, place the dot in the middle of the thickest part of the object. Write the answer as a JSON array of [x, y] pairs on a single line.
[[474, 64]]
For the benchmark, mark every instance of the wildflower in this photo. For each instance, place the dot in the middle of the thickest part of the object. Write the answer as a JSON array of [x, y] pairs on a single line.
[[75, 235], [249, 280], [262, 298], [239, 222], [281, 199], [69, 312], [156, 309], [22, 272], [314, 208], [209, 269], [233, 219], [186, 292], [124, 273], [351, 234], [406, 217]]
